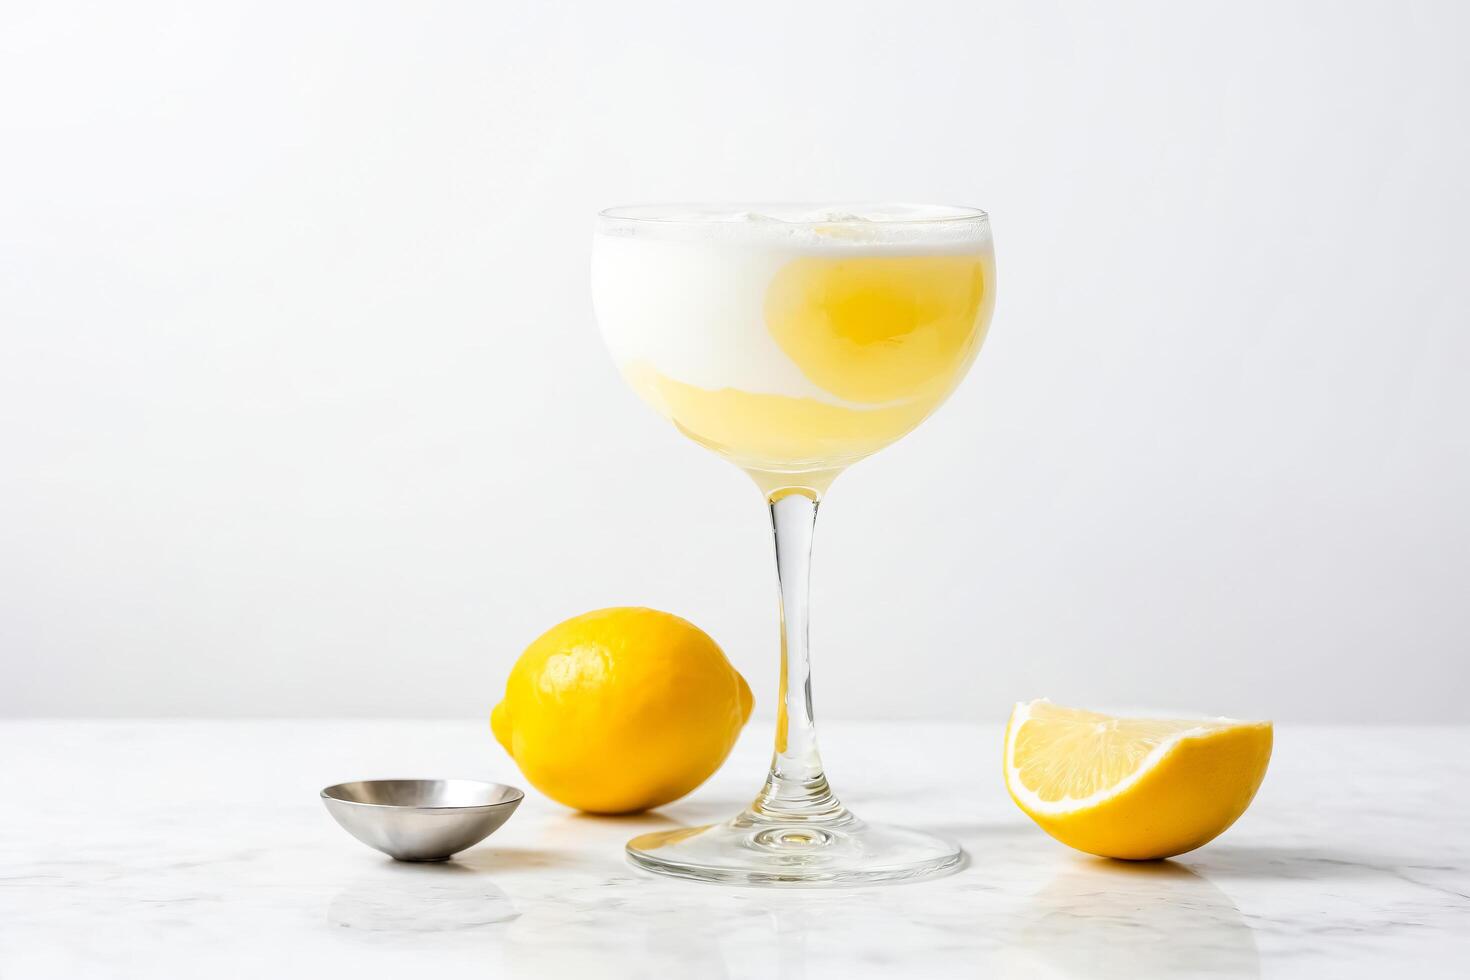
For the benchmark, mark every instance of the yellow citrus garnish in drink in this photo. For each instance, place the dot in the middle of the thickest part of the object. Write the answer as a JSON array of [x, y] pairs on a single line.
[[880, 329]]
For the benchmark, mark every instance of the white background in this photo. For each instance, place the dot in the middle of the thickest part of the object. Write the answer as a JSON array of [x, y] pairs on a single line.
[[303, 410]]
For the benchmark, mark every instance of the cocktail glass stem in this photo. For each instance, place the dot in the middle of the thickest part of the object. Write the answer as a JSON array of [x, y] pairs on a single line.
[[796, 788], [796, 831]]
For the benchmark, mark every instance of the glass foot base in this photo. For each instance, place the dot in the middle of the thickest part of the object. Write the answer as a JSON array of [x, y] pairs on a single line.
[[748, 850]]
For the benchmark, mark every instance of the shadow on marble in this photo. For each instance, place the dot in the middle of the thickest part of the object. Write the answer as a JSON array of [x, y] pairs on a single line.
[[594, 835], [1226, 861], [697, 810], [489, 860], [628, 823], [963, 832]]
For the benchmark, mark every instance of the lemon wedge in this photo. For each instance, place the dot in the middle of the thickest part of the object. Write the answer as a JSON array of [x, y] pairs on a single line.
[[1132, 788]]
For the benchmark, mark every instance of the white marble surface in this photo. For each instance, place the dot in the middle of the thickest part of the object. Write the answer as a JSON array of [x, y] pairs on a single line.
[[162, 849]]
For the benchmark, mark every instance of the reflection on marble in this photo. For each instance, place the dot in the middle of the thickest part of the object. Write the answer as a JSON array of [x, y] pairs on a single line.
[[201, 848], [420, 898], [1111, 919]]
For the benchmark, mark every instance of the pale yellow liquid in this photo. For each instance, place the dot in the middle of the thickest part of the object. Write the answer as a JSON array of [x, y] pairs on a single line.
[[886, 336]]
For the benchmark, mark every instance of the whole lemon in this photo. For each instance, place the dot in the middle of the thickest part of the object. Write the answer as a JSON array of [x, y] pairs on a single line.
[[620, 710]]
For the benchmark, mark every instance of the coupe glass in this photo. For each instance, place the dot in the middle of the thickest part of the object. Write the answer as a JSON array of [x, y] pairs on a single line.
[[794, 340]]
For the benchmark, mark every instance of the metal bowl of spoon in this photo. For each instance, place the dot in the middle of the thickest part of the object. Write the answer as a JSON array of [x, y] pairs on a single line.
[[421, 819]]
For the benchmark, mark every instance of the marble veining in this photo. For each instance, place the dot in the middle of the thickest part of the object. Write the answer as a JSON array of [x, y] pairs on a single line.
[[172, 848]]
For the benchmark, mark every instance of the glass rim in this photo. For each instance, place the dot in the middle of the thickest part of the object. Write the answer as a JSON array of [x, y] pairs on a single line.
[[688, 213]]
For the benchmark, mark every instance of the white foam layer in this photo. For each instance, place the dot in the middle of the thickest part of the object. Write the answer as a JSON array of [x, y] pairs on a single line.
[[694, 308], [806, 227]]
